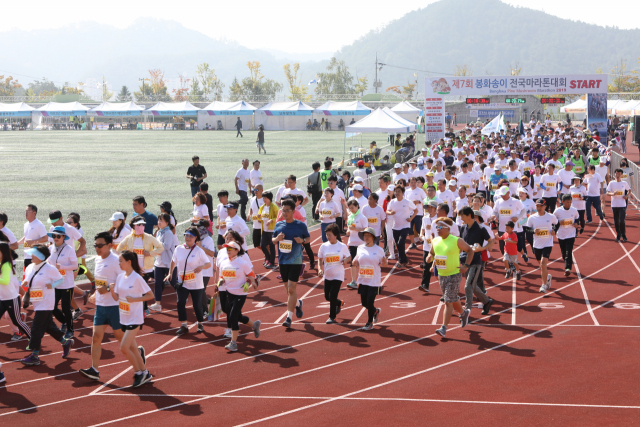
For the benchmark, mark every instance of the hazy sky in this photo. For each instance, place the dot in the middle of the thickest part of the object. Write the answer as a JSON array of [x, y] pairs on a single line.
[[287, 25]]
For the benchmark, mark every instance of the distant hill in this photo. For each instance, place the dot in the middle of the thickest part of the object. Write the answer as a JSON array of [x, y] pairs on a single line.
[[488, 36]]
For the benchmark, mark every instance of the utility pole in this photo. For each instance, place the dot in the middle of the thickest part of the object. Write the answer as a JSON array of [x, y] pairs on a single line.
[[375, 82]]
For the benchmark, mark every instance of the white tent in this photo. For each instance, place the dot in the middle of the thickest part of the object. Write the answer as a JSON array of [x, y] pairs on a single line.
[[407, 111], [333, 112], [57, 110], [283, 116], [227, 113], [172, 109], [382, 120], [579, 106], [626, 108], [112, 109], [18, 109]]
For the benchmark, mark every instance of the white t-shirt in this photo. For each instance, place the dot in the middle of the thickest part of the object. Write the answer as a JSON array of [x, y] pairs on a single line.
[[566, 219], [72, 232], [106, 272], [602, 171], [618, 188], [9, 234], [448, 198], [296, 191], [332, 257], [9, 291], [593, 184], [131, 313], [466, 180], [192, 280], [403, 209], [550, 182], [460, 203], [429, 233], [235, 272], [328, 211], [209, 244], [254, 209], [200, 212], [126, 230], [417, 195], [33, 230], [542, 226], [222, 216], [361, 223], [566, 179], [42, 298], [237, 224], [223, 256], [369, 260], [577, 197], [526, 167], [374, 216], [504, 210], [280, 193], [255, 177], [362, 201], [66, 257], [395, 177], [244, 179], [514, 181]]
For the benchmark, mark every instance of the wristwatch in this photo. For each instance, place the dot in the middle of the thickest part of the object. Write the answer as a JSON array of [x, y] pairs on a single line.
[[466, 265]]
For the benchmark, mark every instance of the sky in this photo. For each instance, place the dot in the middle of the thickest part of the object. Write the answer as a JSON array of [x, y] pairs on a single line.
[[287, 25]]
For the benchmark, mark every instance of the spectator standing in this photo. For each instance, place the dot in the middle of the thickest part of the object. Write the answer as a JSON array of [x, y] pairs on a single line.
[[314, 188], [239, 127], [243, 185], [196, 174]]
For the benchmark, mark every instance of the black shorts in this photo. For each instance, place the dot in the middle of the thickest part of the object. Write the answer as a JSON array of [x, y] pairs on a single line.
[[125, 328], [353, 250], [220, 240], [290, 272], [542, 253]]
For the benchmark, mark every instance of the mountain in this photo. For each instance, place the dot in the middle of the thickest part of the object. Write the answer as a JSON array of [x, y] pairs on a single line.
[[487, 36]]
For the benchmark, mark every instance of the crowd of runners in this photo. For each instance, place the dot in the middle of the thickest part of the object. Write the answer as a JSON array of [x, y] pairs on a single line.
[[452, 202]]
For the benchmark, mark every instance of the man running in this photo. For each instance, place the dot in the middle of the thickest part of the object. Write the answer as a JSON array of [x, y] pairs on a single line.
[[243, 186], [566, 230], [542, 224], [290, 235], [619, 191]]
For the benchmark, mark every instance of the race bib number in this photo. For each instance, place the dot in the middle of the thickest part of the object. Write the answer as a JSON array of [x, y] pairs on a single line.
[[125, 308], [578, 169], [229, 274], [514, 180], [441, 262], [27, 245], [36, 295], [542, 232], [247, 181], [285, 246], [366, 271], [527, 169], [139, 251], [327, 213], [63, 273], [256, 217], [196, 218], [566, 223], [101, 282], [114, 246], [188, 277], [373, 220], [505, 212], [466, 186], [576, 196], [332, 259], [618, 193]]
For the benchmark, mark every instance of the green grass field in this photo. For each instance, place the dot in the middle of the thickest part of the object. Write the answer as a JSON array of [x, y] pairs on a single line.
[[97, 173]]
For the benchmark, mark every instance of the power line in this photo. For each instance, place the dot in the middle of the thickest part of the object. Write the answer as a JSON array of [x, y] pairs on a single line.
[[415, 69], [31, 77]]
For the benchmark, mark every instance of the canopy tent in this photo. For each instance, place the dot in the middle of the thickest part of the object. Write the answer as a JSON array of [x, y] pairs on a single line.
[[627, 108], [382, 120], [579, 106], [18, 109], [57, 114], [334, 112], [112, 109], [407, 111], [613, 105], [283, 116], [227, 113], [172, 109]]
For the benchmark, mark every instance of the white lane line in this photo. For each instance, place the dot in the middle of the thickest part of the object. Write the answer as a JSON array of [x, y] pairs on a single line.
[[355, 320], [513, 300], [437, 313], [584, 293]]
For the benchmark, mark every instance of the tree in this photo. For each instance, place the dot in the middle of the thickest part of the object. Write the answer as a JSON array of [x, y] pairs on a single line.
[[181, 93], [515, 70], [8, 86], [462, 70], [257, 85], [236, 91], [297, 90], [154, 85], [408, 90], [362, 85], [195, 89], [336, 80], [207, 79], [395, 89], [44, 87], [623, 80], [124, 94]]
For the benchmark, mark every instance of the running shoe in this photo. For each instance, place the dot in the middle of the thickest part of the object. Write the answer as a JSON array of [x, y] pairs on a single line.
[[423, 288], [413, 246], [85, 297], [589, 222], [2, 377], [76, 314], [227, 333], [299, 309], [68, 335], [66, 348], [287, 322], [90, 373], [302, 269], [567, 272], [624, 239], [339, 307], [543, 289], [147, 312], [200, 328], [147, 377], [375, 316], [155, 307], [142, 354], [486, 307], [617, 240], [352, 285], [16, 337], [232, 346], [312, 266], [442, 331], [182, 330], [392, 257], [548, 281], [31, 360], [525, 258], [464, 318], [368, 326], [331, 321], [256, 328], [137, 379], [507, 274], [264, 264], [279, 277], [518, 274], [581, 230]]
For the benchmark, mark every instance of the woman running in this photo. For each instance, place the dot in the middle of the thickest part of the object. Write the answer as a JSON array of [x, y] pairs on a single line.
[[368, 260], [578, 200], [65, 260], [73, 219], [525, 236], [119, 229], [161, 265], [190, 260], [209, 247], [200, 210], [131, 290], [231, 236], [41, 280], [356, 223], [9, 285], [328, 210], [268, 213], [332, 256], [237, 273]]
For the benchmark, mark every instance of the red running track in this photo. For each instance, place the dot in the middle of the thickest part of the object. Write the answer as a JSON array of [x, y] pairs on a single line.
[[568, 357]]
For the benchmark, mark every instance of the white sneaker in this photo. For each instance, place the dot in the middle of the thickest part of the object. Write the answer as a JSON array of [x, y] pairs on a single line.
[[392, 257], [543, 289], [155, 307], [548, 282], [227, 333]]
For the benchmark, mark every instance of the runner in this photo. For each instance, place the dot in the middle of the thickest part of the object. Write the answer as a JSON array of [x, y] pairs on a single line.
[[619, 191], [333, 259], [356, 223], [200, 210], [506, 209], [289, 235], [594, 183], [566, 230], [119, 229], [254, 213], [208, 246], [191, 261], [65, 260], [268, 213], [131, 290], [328, 210], [578, 194], [416, 195], [427, 234], [11, 238], [445, 256], [237, 273], [402, 211], [375, 215], [549, 184], [107, 271], [510, 255], [9, 296], [542, 224], [525, 237], [221, 225], [243, 186], [368, 260], [162, 262], [41, 280]]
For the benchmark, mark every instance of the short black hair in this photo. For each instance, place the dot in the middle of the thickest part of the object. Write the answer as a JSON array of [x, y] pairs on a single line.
[[4, 218], [289, 203], [108, 238], [34, 208], [315, 165], [327, 164], [141, 200], [444, 207], [223, 193], [195, 158], [467, 210], [204, 186], [268, 195], [333, 178]]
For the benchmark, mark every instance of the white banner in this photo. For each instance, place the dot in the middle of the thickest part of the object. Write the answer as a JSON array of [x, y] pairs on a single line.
[[494, 125], [517, 85], [434, 117]]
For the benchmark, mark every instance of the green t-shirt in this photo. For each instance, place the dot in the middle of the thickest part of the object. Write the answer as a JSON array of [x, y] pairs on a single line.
[[324, 178]]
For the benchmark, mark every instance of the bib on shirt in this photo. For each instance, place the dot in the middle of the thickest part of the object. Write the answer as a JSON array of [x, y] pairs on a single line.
[[285, 246], [366, 271]]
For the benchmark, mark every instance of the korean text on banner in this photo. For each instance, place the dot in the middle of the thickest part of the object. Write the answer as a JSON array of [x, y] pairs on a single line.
[[434, 118]]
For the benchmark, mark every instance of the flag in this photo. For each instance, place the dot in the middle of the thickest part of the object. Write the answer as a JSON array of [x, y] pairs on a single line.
[[493, 125], [521, 128]]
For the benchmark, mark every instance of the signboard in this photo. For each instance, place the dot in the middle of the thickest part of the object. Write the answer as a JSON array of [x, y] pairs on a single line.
[[489, 114], [552, 100], [492, 105], [517, 85], [597, 115], [434, 116], [515, 100], [114, 113], [478, 101]]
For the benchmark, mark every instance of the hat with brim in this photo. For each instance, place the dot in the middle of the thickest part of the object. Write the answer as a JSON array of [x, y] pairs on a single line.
[[578, 177], [232, 205], [139, 221], [34, 252], [116, 216], [58, 231], [233, 245], [371, 231]]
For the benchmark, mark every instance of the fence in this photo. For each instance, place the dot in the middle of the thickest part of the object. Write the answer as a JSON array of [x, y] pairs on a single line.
[[634, 180]]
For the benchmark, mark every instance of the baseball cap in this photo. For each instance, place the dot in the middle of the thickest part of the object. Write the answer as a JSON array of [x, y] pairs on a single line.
[[358, 187], [540, 202], [425, 149], [397, 166], [233, 205], [432, 204], [452, 182], [165, 205], [233, 245], [116, 216], [54, 216], [358, 179], [569, 163], [360, 163]]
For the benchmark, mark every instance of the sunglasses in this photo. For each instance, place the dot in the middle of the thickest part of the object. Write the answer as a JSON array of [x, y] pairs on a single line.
[[286, 210], [138, 225], [99, 245], [439, 227], [57, 236]]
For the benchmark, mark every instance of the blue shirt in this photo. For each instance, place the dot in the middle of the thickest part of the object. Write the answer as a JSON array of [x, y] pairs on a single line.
[[291, 230], [151, 221]]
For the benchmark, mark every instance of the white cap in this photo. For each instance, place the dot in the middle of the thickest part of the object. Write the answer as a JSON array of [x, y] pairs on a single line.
[[358, 187], [452, 182], [522, 190], [397, 166], [420, 162], [391, 187], [358, 179], [116, 216], [504, 190], [425, 149]]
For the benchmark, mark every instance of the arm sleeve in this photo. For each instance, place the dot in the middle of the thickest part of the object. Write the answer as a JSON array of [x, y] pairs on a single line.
[[5, 274], [57, 283]]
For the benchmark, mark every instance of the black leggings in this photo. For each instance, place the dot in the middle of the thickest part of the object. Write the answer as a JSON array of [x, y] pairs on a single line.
[[550, 204], [234, 307], [309, 251], [224, 296], [267, 246], [426, 271], [566, 247], [43, 322], [522, 242], [400, 237], [63, 314], [331, 290], [12, 306], [205, 298], [257, 234], [581, 218], [618, 220], [367, 298], [196, 299]]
